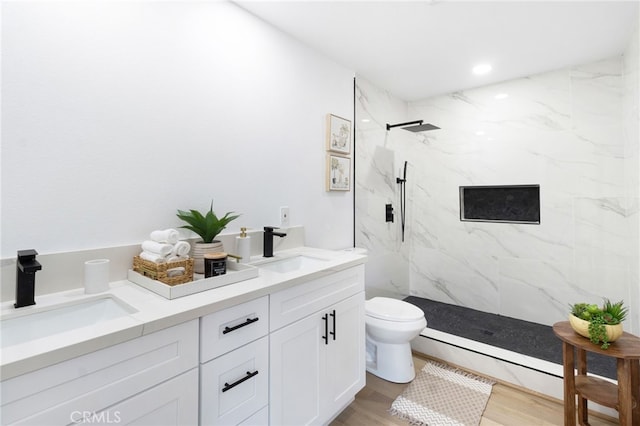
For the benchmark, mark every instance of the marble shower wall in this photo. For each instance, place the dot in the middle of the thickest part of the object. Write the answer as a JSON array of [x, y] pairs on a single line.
[[378, 163], [631, 125], [562, 130]]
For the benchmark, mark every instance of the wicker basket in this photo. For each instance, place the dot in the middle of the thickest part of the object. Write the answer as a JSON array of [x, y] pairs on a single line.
[[158, 271]]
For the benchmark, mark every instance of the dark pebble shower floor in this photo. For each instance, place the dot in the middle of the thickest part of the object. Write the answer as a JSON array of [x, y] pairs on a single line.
[[524, 337]]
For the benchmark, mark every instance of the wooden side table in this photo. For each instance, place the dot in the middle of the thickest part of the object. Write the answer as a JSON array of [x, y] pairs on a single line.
[[624, 397]]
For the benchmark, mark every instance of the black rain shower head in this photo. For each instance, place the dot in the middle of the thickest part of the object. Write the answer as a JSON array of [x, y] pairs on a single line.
[[421, 128], [414, 126]]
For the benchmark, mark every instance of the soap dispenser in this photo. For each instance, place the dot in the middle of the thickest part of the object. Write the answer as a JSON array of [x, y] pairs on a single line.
[[243, 246]]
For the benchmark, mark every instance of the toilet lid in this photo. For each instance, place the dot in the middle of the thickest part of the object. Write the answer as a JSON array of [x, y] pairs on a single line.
[[392, 309]]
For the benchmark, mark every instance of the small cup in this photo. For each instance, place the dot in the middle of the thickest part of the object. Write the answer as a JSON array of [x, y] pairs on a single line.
[[215, 264], [96, 276]]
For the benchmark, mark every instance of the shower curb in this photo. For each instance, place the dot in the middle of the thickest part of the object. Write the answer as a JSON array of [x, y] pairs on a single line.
[[511, 367]]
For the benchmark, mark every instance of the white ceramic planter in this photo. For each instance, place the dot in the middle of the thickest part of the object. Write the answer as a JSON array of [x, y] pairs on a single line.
[[581, 327]]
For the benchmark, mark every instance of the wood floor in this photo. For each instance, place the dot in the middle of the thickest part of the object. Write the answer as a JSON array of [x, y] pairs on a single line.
[[508, 405]]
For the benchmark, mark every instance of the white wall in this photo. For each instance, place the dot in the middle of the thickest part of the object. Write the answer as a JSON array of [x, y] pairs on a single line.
[[563, 130], [115, 114]]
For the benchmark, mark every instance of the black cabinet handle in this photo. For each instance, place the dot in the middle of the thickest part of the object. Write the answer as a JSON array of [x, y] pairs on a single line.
[[325, 318], [249, 375], [247, 322], [333, 333]]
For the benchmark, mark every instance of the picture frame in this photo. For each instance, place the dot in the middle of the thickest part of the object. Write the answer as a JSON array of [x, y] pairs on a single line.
[[338, 134], [338, 173]]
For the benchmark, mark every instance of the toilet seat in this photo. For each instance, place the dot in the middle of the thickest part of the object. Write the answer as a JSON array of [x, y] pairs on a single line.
[[395, 310]]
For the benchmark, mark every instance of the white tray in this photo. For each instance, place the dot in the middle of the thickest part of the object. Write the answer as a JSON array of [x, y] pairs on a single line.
[[236, 272]]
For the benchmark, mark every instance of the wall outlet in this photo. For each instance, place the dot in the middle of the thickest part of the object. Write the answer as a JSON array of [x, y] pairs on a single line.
[[284, 216]]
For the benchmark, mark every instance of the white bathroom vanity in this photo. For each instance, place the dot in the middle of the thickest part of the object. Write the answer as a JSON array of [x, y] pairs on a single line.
[[286, 347]]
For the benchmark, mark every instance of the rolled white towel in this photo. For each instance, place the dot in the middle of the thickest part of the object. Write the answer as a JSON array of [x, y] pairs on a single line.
[[153, 257], [165, 236], [157, 248], [181, 248]]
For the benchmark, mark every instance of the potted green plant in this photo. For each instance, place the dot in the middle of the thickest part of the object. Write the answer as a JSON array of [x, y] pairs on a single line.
[[599, 324], [207, 226]]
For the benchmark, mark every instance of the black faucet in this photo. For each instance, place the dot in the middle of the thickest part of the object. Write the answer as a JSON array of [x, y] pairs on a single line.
[[268, 240], [26, 267]]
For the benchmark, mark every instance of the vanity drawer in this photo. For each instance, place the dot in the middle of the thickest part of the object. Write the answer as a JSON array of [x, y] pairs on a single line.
[[172, 403], [235, 385], [297, 302], [225, 330], [98, 380]]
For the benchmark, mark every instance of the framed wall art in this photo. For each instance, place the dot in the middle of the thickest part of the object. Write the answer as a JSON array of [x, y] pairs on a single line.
[[338, 134], [338, 172]]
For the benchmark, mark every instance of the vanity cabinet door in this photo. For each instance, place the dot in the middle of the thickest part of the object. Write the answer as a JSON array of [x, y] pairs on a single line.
[[296, 372], [317, 364], [345, 356]]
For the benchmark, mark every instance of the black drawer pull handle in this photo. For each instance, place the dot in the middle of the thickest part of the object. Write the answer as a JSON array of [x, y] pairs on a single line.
[[333, 333], [247, 322], [249, 375], [325, 318]]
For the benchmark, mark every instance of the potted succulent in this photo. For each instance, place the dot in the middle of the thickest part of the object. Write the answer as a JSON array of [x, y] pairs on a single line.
[[207, 226], [599, 324]]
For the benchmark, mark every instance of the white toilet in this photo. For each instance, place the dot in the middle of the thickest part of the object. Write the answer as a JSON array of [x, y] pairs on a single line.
[[391, 324]]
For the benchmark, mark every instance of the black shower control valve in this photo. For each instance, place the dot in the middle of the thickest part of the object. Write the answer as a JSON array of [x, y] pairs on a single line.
[[388, 213]]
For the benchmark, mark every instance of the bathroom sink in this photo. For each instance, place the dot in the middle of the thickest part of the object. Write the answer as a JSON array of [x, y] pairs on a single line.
[[291, 264], [21, 327]]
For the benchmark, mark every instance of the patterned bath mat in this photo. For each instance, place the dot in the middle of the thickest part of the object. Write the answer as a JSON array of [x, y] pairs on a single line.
[[443, 395]]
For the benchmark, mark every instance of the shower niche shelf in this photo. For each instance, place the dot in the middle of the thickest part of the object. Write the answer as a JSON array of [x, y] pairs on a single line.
[[500, 203]]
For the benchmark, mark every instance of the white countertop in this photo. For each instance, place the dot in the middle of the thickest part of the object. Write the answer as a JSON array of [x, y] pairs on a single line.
[[154, 312]]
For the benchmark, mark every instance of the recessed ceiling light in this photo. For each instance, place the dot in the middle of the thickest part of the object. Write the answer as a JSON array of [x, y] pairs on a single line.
[[501, 96], [481, 69], [480, 132], [365, 120]]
